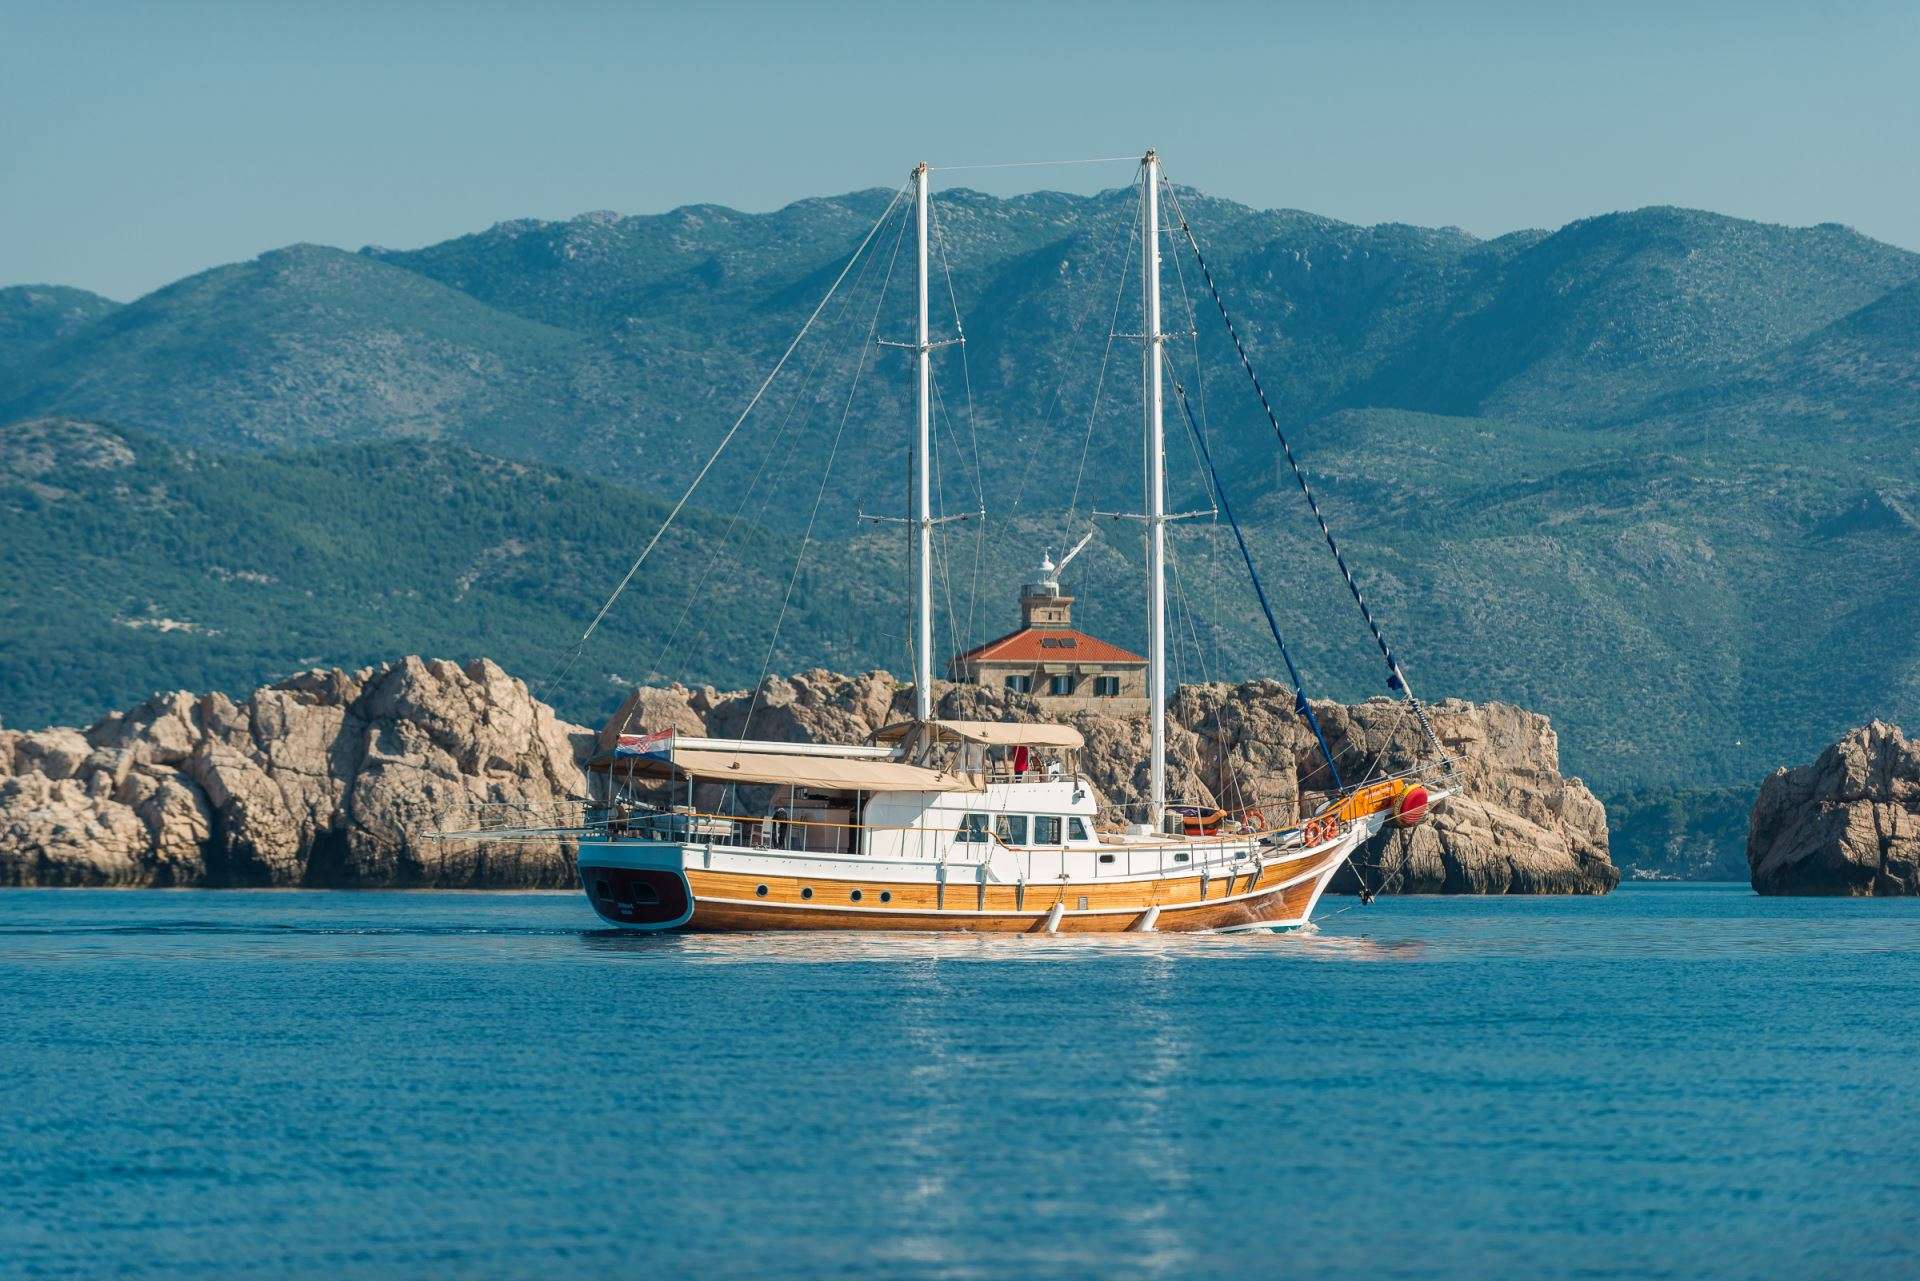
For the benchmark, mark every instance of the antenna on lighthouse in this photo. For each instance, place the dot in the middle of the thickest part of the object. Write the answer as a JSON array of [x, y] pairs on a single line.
[[1077, 549]]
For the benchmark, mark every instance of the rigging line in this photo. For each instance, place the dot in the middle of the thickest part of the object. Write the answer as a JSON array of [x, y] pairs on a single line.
[[1396, 679], [880, 300], [826, 475], [1035, 164], [973, 435], [1232, 775], [943, 555], [1060, 384], [1100, 382], [946, 416], [1200, 387], [973, 592], [1181, 657], [728, 438], [1186, 299], [725, 542], [1193, 445], [966, 369], [1299, 690]]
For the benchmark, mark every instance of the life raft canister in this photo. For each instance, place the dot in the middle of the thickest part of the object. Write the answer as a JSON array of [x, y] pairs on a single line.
[[1411, 809]]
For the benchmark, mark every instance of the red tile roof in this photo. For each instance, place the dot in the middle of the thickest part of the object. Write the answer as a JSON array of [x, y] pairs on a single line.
[[1048, 645]]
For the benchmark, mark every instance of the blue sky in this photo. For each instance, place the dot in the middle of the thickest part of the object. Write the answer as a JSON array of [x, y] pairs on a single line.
[[139, 143]]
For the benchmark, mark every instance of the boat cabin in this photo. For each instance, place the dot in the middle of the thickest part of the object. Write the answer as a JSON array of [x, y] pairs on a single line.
[[915, 792]]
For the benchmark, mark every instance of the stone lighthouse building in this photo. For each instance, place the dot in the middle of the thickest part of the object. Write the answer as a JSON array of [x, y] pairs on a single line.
[[1047, 658]]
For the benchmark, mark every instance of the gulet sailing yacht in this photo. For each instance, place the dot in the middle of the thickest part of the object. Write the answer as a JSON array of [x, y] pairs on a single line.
[[958, 825]]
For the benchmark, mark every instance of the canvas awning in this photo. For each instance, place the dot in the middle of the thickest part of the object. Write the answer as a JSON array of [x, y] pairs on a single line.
[[989, 733], [823, 773]]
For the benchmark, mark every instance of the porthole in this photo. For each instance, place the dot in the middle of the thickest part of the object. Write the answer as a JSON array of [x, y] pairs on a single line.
[[1106, 858], [886, 896], [1181, 857], [761, 890], [855, 896], [807, 892]]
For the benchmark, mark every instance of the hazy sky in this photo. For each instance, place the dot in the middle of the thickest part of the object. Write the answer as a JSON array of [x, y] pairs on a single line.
[[139, 143]]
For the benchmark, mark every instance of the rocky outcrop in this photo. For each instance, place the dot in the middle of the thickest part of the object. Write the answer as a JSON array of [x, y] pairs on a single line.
[[338, 778], [1517, 826], [1849, 823], [326, 778]]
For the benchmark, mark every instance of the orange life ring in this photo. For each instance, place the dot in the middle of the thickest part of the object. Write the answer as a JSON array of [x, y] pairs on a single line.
[[1310, 832], [1253, 820]]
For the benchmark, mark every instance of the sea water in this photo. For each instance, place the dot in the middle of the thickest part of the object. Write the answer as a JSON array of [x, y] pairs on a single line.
[[1666, 1082]]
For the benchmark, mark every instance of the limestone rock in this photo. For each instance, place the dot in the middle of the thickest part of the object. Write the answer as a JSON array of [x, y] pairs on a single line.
[[57, 831], [333, 778], [1849, 823], [325, 778]]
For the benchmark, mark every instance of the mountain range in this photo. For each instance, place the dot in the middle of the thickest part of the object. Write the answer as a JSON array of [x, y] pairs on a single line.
[[1652, 473]]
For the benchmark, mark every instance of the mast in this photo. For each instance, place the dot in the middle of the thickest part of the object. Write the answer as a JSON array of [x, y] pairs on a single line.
[[922, 516], [1156, 459]]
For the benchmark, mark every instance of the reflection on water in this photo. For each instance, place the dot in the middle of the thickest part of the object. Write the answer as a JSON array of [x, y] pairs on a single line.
[[842, 947]]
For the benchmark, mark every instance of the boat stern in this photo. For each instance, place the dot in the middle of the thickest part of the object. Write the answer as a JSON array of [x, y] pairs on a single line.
[[637, 885]]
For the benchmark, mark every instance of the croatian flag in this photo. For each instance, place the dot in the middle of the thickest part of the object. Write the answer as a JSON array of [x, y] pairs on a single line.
[[643, 744]]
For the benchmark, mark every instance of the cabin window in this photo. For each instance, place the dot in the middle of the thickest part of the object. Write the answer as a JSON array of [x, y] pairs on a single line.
[[1020, 684], [1076, 830], [1106, 687], [973, 829], [1046, 829], [1060, 685], [1011, 829]]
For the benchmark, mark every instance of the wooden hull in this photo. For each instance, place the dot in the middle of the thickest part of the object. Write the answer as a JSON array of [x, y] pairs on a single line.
[[1274, 894]]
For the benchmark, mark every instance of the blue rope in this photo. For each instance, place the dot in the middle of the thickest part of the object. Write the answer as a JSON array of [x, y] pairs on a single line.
[[1394, 679], [1300, 702]]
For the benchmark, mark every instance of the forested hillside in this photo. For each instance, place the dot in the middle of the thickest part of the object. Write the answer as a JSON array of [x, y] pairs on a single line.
[[1652, 473]]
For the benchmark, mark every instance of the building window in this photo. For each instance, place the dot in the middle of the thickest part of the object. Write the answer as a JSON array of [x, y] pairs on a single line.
[[1046, 829], [1020, 684], [973, 829], [1058, 642], [1011, 829], [1106, 687], [1060, 685]]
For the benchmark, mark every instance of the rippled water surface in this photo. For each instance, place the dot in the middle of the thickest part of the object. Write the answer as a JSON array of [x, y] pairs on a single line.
[[1670, 1081]]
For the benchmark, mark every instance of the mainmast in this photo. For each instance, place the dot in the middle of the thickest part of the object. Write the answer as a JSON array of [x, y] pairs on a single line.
[[1156, 452], [922, 470]]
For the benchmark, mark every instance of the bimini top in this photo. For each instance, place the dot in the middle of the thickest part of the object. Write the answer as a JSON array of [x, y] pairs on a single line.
[[718, 761], [988, 733]]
